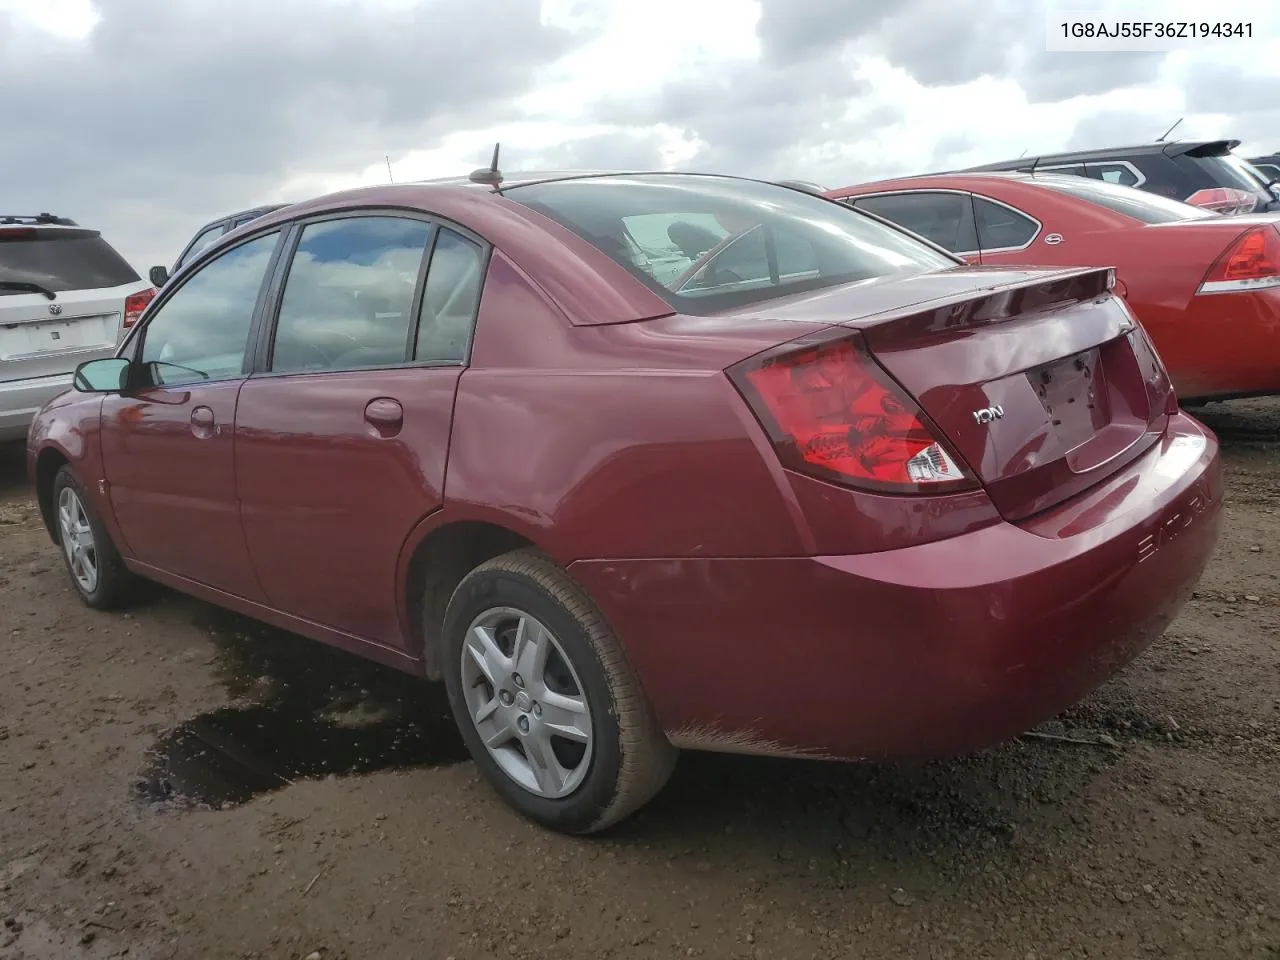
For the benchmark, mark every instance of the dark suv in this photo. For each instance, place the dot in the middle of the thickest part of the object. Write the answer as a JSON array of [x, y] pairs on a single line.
[[207, 234], [1268, 166], [1202, 172]]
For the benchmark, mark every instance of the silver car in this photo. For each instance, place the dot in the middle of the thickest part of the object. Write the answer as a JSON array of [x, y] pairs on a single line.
[[66, 296]]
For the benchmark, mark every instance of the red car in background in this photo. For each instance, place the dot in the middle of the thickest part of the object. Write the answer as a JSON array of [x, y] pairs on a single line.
[[644, 462], [1206, 287]]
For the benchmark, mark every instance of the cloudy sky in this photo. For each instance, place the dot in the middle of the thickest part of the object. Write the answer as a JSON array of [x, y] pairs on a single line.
[[146, 118]]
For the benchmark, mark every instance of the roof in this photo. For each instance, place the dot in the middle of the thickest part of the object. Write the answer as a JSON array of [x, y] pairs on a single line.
[[1170, 148]]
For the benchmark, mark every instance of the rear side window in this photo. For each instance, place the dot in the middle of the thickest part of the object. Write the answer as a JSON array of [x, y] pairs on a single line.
[[449, 300], [944, 218], [348, 297], [1121, 173], [704, 243], [1001, 227], [60, 259], [1138, 204]]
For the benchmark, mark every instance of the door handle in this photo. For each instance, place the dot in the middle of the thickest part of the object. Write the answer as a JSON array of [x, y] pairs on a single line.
[[385, 415], [203, 422]]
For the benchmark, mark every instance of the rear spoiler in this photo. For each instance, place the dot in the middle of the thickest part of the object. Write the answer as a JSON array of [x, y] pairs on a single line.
[[1202, 148]]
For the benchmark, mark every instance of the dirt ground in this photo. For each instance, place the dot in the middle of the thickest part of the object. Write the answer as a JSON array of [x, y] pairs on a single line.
[[338, 818]]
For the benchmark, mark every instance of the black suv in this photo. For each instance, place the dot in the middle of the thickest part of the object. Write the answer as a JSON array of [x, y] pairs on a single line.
[[1184, 170], [209, 233], [1268, 166]]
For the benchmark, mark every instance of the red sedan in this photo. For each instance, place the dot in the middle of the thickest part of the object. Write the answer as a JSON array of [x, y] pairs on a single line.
[[645, 462], [1207, 287]]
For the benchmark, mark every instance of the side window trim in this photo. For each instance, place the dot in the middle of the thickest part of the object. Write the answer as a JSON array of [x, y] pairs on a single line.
[[133, 344], [279, 275], [1019, 212]]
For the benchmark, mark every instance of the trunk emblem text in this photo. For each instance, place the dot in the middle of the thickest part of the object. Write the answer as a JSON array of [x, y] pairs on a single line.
[[987, 414]]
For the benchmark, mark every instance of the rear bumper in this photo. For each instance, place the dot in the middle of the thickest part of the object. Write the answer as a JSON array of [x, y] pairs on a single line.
[[20, 399], [926, 651]]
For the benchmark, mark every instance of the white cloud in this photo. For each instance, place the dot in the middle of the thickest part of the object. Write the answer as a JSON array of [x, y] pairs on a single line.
[[301, 99]]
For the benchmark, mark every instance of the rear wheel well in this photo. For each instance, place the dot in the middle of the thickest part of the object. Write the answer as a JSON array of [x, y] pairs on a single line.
[[437, 567], [48, 463]]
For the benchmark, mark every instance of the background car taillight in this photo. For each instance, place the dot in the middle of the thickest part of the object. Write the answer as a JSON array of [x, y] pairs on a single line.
[[1225, 200], [834, 413], [134, 304], [1251, 262]]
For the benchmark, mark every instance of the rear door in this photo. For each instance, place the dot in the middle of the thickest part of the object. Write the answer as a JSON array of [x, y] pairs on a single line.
[[43, 337], [168, 440], [942, 216], [342, 437]]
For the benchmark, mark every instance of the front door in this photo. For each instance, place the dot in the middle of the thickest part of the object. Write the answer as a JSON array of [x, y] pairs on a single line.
[[341, 442], [168, 440]]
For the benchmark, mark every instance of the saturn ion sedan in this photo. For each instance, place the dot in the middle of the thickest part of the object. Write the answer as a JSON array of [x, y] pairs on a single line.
[[637, 463]]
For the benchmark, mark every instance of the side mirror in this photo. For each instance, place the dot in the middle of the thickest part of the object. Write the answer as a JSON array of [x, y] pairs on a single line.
[[108, 375], [159, 277]]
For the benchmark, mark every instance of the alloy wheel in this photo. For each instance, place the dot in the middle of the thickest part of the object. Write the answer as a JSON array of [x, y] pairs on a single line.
[[526, 702], [77, 539]]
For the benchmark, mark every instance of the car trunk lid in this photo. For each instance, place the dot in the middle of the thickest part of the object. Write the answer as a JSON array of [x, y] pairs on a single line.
[[1041, 381]]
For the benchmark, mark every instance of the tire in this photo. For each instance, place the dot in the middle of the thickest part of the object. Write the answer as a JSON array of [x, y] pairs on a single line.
[[625, 759], [113, 585]]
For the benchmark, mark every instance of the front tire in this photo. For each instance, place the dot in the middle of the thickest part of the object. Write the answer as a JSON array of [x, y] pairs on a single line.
[[97, 572], [547, 703]]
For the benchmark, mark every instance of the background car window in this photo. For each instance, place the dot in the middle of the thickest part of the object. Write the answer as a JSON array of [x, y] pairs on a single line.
[[61, 259], [939, 217], [348, 298], [1120, 173], [743, 241], [455, 277], [1001, 227], [200, 332], [200, 242], [1139, 204]]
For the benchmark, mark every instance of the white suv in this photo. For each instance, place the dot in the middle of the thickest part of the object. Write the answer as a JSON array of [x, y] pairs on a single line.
[[65, 297]]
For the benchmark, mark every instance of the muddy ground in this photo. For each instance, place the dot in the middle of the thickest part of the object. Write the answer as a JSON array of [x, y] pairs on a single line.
[[1156, 834]]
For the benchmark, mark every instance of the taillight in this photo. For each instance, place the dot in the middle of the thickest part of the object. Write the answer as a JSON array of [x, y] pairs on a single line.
[[134, 304], [833, 413], [1225, 200], [1251, 262]]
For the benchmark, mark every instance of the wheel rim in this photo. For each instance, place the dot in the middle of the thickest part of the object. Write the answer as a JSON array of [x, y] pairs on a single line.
[[77, 540], [526, 702]]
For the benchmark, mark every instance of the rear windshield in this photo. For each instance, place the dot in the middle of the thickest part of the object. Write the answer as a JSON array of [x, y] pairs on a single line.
[[1227, 170], [60, 259], [1138, 204], [704, 243]]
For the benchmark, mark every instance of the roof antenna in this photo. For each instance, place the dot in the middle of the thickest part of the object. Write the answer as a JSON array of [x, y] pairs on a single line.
[[1160, 139], [1034, 162], [491, 174], [1023, 153], [389, 176]]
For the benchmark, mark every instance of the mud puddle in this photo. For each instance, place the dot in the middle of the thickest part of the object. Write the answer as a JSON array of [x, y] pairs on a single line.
[[302, 711]]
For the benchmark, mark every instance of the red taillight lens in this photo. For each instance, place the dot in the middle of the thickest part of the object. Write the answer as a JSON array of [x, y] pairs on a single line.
[[1252, 261], [1225, 200], [832, 412], [17, 233], [134, 304]]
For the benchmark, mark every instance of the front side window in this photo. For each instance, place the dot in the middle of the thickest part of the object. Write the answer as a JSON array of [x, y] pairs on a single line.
[[940, 217], [705, 243], [203, 240], [348, 297], [1001, 227], [200, 333]]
